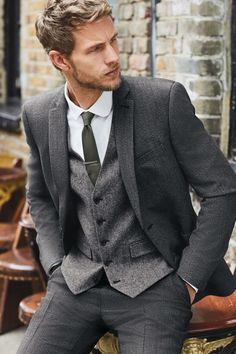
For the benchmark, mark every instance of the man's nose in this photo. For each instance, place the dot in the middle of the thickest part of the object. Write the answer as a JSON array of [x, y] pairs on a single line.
[[111, 55]]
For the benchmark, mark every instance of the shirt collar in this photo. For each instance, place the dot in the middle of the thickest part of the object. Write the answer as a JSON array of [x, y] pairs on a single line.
[[102, 107]]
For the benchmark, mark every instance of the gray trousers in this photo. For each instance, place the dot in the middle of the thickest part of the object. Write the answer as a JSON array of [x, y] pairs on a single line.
[[154, 322]]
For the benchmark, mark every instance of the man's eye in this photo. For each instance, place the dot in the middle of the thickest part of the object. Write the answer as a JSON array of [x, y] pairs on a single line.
[[96, 49], [114, 40]]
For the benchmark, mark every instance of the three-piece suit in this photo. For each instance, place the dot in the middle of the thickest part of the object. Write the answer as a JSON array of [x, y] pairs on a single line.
[[135, 229]]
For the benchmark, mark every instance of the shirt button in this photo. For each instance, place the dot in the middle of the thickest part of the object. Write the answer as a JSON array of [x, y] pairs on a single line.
[[100, 221], [107, 263]]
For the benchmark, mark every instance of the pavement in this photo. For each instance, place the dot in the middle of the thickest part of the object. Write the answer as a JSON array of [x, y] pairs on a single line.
[[9, 342]]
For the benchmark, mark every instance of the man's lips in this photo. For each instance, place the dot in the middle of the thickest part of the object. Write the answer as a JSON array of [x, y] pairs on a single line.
[[113, 71]]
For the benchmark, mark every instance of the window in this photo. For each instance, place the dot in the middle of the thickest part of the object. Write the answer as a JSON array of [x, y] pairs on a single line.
[[12, 43], [10, 111]]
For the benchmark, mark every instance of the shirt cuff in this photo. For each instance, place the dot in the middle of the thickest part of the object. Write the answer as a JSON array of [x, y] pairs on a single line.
[[192, 286], [53, 267]]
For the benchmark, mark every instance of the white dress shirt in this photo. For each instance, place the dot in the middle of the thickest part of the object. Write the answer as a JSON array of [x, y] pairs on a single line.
[[101, 123]]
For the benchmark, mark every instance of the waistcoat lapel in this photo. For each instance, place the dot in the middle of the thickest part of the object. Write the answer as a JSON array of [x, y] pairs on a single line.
[[124, 126], [58, 151]]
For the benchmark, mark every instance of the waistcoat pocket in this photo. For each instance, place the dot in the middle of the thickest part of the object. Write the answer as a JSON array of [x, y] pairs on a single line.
[[84, 248], [140, 248]]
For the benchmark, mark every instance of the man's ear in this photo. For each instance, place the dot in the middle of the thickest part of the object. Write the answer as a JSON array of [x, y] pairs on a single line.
[[58, 60]]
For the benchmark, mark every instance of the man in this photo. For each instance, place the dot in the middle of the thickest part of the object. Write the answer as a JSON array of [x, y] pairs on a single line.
[[111, 161]]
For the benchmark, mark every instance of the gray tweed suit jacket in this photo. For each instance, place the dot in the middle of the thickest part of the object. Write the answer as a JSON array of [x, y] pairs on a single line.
[[162, 149]]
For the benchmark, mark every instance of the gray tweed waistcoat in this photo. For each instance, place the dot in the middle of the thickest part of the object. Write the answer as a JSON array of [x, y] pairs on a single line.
[[110, 238]]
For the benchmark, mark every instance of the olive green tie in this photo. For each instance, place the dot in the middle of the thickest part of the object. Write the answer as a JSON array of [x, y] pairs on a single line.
[[91, 156]]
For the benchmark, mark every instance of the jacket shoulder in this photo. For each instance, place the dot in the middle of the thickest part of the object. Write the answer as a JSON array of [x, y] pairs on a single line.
[[149, 85], [43, 101]]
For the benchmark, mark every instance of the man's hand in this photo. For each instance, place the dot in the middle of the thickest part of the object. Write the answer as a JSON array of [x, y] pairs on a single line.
[[192, 292]]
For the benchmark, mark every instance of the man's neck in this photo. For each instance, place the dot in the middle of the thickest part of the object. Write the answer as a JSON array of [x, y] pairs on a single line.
[[83, 97]]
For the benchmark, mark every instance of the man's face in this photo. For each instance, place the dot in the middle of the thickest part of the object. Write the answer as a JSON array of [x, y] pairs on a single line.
[[94, 60]]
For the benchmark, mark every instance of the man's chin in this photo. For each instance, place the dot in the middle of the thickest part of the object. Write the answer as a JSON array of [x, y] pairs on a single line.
[[113, 85], [103, 85]]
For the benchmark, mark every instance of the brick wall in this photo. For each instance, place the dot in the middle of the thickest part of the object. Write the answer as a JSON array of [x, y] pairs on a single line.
[[193, 47], [37, 73], [134, 26]]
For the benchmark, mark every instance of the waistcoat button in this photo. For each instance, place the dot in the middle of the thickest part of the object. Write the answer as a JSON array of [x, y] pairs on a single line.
[[100, 221], [104, 242], [107, 263], [97, 200]]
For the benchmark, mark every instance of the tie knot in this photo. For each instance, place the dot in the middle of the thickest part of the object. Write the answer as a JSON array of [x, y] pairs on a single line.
[[87, 117]]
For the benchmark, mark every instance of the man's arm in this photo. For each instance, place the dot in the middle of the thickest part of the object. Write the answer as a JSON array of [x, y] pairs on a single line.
[[41, 206], [209, 173]]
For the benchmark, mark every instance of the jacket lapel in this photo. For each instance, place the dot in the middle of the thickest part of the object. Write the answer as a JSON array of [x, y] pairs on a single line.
[[124, 126], [58, 151]]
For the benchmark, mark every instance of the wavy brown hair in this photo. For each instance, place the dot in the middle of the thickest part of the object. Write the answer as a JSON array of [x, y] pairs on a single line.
[[55, 25]]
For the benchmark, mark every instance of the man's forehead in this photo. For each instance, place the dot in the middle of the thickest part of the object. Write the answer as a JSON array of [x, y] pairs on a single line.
[[97, 31]]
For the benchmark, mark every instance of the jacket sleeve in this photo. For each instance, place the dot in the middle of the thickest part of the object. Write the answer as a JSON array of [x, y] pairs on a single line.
[[41, 206], [213, 179]]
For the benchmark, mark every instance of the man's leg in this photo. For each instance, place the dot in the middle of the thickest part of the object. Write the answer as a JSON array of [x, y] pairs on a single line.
[[64, 323], [155, 322]]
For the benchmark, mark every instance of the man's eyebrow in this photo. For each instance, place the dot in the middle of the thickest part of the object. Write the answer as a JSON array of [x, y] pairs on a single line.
[[115, 35], [101, 43]]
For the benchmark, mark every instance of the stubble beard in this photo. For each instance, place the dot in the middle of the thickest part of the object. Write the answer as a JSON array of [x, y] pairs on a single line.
[[112, 86]]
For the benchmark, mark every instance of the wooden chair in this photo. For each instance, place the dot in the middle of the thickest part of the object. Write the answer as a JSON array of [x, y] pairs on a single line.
[[12, 191], [18, 278], [28, 305], [10, 161], [11, 230]]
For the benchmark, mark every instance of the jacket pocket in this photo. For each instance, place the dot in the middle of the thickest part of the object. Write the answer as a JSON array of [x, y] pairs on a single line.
[[148, 154]]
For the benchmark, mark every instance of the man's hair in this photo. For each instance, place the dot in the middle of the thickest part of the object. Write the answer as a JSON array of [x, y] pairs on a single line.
[[55, 25]]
